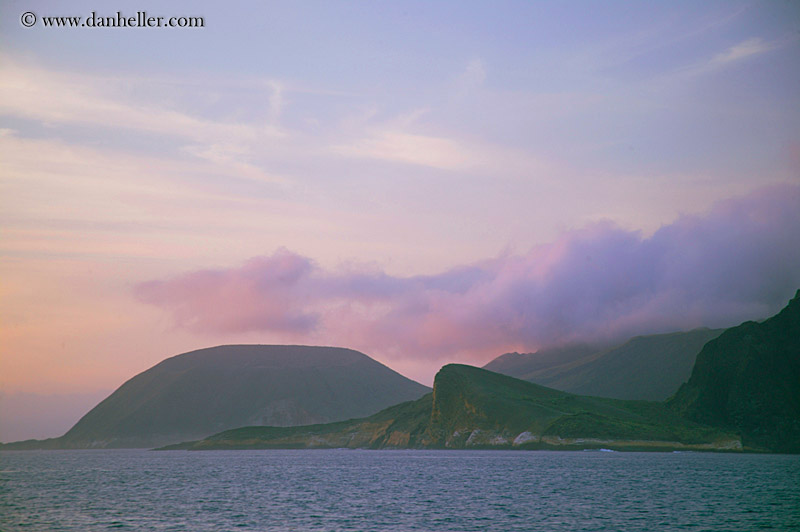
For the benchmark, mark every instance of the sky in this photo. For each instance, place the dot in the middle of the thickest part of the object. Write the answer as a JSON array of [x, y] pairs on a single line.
[[426, 182]]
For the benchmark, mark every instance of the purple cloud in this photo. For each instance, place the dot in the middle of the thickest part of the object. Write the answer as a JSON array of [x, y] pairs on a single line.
[[739, 261]]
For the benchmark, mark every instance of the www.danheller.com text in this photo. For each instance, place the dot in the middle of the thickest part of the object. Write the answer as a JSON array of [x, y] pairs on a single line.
[[141, 19]]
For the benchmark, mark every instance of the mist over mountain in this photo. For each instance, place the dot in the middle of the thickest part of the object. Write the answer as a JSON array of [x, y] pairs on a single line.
[[525, 365], [195, 394], [739, 260], [645, 367], [743, 394]]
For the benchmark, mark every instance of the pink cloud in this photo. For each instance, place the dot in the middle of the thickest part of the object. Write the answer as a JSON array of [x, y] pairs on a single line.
[[263, 294], [739, 261]]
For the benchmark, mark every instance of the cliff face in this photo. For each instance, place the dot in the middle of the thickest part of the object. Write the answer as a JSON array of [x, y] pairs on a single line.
[[474, 407], [748, 381]]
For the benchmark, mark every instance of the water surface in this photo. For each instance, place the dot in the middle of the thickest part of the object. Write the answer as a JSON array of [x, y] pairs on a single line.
[[396, 491]]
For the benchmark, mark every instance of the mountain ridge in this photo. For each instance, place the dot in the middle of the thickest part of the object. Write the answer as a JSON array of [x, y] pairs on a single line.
[[475, 408], [743, 395], [201, 392], [650, 367]]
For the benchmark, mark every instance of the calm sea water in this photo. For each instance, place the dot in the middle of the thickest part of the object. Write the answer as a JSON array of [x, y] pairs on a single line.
[[396, 491]]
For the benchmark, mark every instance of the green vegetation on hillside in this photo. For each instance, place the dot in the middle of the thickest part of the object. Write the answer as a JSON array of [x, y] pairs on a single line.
[[476, 408]]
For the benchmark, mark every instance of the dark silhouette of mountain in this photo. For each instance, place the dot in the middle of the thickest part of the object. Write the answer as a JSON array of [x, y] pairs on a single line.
[[645, 367], [748, 381], [195, 394], [743, 394], [475, 408]]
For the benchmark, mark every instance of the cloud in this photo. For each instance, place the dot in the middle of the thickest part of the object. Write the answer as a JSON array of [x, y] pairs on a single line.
[[266, 293], [474, 75], [397, 146], [739, 261], [743, 50], [61, 200], [32, 92], [394, 144], [100, 102]]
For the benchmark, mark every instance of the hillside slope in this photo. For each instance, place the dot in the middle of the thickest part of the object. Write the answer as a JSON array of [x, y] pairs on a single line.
[[199, 393], [748, 381], [645, 367], [475, 408], [526, 365]]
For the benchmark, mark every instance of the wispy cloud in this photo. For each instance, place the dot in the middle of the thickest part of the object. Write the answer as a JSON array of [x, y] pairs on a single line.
[[396, 146], [734, 55], [741, 260], [743, 50], [404, 139], [73, 100], [35, 93], [62, 199], [474, 75]]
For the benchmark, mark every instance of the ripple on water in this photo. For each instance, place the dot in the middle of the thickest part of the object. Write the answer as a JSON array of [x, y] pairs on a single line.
[[396, 491]]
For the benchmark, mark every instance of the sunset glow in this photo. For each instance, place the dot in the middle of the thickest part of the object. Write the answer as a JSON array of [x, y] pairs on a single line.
[[423, 182]]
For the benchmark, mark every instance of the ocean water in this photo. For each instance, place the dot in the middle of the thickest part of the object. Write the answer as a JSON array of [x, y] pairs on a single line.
[[396, 491]]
